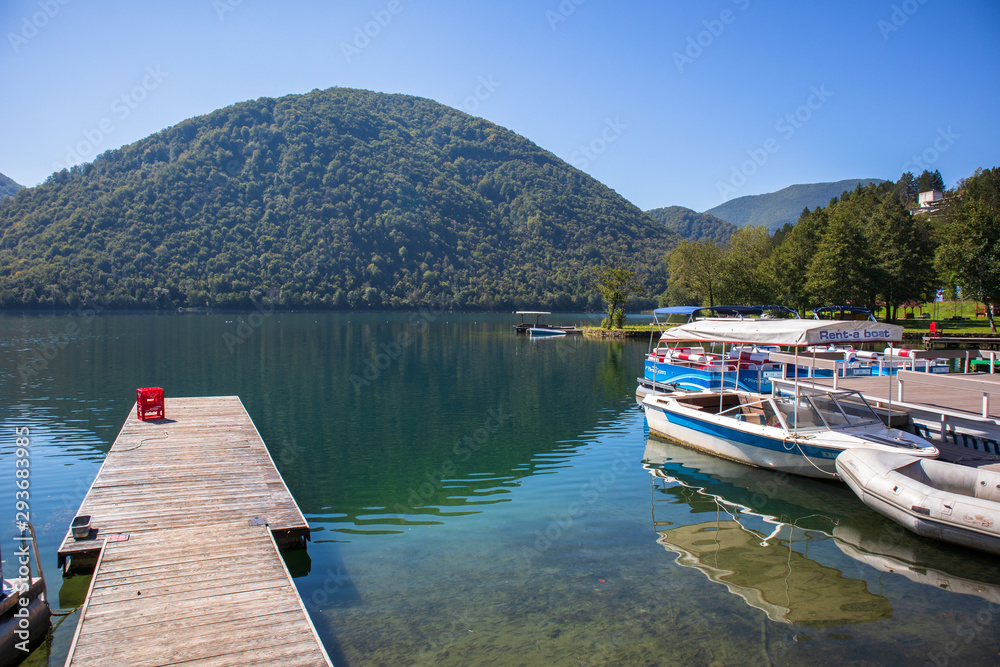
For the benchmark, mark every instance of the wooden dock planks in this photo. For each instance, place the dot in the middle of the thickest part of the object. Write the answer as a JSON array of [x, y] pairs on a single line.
[[200, 580], [205, 463]]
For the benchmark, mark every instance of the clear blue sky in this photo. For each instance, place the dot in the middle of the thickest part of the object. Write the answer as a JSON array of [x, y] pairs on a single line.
[[673, 101]]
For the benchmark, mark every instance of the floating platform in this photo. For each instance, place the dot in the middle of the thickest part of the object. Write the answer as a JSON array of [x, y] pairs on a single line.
[[188, 513]]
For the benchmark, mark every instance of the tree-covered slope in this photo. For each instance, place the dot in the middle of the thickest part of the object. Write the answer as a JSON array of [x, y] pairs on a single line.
[[335, 198], [774, 209], [692, 225], [8, 187]]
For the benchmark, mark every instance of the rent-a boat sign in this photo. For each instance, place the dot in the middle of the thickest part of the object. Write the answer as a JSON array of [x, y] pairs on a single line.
[[855, 335], [792, 332]]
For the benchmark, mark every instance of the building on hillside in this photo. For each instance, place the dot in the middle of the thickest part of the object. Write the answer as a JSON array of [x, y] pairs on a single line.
[[929, 203]]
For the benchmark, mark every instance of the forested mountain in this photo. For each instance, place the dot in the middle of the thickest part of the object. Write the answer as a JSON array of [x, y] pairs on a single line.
[[692, 225], [774, 209], [8, 187], [336, 198]]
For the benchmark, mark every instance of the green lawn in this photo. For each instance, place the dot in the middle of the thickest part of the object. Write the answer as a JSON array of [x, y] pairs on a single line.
[[951, 317]]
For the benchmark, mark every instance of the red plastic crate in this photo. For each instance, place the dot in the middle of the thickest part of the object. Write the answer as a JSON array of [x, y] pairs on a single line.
[[149, 403]]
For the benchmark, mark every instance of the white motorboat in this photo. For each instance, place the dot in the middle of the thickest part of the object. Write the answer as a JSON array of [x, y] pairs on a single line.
[[545, 331], [801, 433], [539, 328], [945, 501]]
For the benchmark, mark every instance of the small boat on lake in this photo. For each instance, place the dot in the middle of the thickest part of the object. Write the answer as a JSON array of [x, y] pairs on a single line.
[[795, 430], [543, 332], [946, 501], [538, 327]]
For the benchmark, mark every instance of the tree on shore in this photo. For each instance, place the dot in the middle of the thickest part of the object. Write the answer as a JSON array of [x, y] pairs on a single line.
[[970, 238], [901, 255], [838, 271], [742, 274], [616, 284], [694, 268], [788, 263]]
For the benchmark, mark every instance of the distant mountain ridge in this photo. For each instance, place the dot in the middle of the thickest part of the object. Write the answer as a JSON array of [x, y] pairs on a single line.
[[8, 187], [337, 198], [692, 225], [774, 209]]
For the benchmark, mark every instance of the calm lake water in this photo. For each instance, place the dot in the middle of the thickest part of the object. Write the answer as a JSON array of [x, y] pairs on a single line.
[[481, 498]]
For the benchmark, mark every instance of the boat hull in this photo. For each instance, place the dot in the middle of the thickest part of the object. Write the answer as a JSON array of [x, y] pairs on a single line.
[[924, 508], [751, 445], [543, 332]]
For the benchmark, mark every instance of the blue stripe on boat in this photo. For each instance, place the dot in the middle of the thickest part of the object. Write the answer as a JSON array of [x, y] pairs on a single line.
[[744, 438]]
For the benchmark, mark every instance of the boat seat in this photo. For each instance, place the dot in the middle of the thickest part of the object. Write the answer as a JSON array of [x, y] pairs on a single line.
[[754, 418]]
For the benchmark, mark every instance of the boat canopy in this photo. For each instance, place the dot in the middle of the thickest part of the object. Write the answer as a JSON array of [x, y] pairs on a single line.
[[677, 310], [726, 311], [842, 310], [778, 309], [532, 312], [791, 332]]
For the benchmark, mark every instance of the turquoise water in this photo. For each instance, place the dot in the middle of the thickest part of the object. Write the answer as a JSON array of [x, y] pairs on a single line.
[[481, 498]]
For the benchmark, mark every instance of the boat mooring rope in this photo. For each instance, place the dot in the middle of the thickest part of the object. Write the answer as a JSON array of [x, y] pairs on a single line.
[[799, 446]]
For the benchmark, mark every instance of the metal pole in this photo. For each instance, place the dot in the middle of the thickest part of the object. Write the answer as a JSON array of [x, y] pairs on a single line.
[[888, 421], [795, 406], [38, 560]]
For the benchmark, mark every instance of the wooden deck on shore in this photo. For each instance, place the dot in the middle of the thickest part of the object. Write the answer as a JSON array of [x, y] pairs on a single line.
[[187, 516]]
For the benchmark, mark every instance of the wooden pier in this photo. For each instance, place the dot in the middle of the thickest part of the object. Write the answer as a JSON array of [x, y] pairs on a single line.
[[188, 513]]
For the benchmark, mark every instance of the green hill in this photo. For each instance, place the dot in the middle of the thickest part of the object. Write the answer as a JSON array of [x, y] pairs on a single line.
[[774, 209], [337, 198], [692, 225], [8, 187]]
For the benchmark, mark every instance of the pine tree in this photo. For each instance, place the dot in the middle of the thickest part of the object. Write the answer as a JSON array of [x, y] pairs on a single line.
[[970, 247], [906, 189], [937, 183], [925, 182]]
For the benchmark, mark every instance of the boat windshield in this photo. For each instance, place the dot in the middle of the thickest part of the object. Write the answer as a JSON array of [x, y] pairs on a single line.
[[855, 408], [799, 413], [823, 411]]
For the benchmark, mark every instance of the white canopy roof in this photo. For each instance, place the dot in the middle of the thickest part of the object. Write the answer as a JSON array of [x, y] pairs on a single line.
[[784, 332]]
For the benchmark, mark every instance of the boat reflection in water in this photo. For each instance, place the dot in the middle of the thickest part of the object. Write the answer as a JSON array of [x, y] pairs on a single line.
[[763, 525], [919, 560]]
